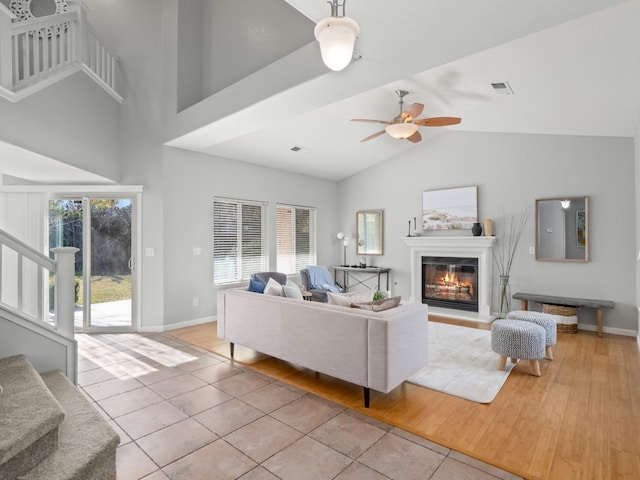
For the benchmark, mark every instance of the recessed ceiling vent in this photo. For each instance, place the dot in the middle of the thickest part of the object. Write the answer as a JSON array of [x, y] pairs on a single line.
[[503, 88], [296, 149]]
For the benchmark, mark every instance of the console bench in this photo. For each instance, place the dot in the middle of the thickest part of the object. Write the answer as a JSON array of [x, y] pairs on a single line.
[[598, 305]]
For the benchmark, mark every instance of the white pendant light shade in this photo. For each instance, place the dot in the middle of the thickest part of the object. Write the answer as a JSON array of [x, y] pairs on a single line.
[[337, 38], [401, 130]]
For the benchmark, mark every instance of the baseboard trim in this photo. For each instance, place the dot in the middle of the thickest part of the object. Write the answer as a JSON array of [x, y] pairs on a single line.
[[175, 326], [612, 330]]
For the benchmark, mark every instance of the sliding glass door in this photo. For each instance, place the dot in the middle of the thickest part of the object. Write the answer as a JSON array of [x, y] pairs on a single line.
[[102, 228]]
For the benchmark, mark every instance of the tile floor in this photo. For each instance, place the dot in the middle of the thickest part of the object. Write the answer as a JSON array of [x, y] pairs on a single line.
[[185, 413]]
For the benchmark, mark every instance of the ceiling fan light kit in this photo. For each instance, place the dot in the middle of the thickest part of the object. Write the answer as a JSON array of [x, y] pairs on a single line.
[[337, 37], [405, 126], [401, 130]]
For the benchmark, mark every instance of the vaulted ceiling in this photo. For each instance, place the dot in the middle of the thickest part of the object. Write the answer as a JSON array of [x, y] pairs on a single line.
[[573, 67]]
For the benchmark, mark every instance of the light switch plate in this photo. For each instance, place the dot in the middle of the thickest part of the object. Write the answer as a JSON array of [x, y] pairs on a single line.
[[150, 252], [196, 251], [532, 250]]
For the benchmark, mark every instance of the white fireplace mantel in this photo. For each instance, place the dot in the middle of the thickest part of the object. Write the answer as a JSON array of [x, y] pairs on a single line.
[[445, 246]]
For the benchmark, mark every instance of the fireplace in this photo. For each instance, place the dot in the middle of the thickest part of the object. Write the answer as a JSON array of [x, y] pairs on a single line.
[[475, 249], [450, 282]]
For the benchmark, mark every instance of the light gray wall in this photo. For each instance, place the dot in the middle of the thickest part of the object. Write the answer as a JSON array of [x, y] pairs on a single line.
[[190, 43], [242, 36], [637, 218], [192, 180], [73, 121], [511, 171]]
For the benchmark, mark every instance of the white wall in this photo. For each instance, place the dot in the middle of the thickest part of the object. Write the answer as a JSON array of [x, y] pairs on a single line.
[[511, 171], [192, 180], [73, 121]]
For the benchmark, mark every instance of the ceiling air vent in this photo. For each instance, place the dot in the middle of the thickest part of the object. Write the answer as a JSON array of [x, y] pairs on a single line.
[[503, 88], [296, 149]]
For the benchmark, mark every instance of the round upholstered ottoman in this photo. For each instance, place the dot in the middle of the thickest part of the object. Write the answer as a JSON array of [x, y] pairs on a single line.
[[545, 320], [518, 340]]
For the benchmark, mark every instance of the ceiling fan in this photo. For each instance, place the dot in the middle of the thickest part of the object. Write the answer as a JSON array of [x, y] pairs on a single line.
[[405, 124]]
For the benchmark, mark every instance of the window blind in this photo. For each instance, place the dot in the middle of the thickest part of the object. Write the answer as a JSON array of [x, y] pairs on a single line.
[[238, 240], [296, 238]]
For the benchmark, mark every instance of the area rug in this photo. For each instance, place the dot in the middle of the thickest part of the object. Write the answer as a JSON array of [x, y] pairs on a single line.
[[461, 363]]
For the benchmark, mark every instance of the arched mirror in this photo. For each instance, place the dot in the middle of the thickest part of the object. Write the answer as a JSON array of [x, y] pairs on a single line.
[[562, 229], [369, 232]]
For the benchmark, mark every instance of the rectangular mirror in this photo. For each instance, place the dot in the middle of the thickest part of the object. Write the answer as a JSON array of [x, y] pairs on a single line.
[[562, 229], [369, 232]]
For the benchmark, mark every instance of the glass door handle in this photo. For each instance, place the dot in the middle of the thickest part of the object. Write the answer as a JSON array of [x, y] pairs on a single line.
[[131, 263]]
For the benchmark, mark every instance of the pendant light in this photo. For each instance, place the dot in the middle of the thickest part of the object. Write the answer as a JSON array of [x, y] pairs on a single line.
[[337, 37]]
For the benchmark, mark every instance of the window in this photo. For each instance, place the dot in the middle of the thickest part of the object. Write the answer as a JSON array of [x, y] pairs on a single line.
[[296, 237], [238, 240]]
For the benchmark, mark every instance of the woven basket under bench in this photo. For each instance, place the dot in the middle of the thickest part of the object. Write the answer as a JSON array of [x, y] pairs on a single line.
[[566, 317]]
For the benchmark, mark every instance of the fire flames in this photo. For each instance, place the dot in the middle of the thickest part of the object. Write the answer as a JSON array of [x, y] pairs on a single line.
[[449, 283]]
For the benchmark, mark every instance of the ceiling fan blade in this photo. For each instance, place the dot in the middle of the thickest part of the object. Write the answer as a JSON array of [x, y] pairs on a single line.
[[412, 111], [438, 121], [415, 138], [371, 137], [366, 120]]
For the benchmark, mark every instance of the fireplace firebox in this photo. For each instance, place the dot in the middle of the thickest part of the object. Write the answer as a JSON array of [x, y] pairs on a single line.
[[450, 282]]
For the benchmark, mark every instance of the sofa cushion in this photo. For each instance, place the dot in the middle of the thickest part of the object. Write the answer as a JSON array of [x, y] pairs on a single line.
[[273, 288], [348, 299], [379, 305], [291, 290], [256, 284]]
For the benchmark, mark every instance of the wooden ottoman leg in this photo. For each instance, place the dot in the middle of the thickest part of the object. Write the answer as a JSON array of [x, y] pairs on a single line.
[[535, 367], [548, 353], [514, 360], [502, 361]]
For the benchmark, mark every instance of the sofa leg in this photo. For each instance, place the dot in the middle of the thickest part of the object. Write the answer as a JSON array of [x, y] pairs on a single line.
[[367, 396], [231, 345]]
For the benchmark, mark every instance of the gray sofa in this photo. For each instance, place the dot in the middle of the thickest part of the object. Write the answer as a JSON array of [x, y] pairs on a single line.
[[376, 350]]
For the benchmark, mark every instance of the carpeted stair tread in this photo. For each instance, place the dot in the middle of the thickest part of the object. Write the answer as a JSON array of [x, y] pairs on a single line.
[[29, 417], [87, 444]]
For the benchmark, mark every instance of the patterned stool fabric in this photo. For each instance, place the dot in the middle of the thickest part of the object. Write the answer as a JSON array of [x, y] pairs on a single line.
[[518, 340], [545, 320]]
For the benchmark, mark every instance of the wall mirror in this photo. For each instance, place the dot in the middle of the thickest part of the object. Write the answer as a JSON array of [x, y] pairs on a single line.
[[369, 232], [562, 229]]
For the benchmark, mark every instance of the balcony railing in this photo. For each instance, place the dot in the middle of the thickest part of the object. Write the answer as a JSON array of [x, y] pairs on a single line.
[[36, 53]]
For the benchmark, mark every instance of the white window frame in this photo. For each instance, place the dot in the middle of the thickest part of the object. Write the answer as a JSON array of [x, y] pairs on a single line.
[[241, 274], [293, 265]]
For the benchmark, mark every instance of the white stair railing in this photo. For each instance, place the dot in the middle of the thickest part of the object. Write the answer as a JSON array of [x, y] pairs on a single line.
[[24, 275], [36, 53]]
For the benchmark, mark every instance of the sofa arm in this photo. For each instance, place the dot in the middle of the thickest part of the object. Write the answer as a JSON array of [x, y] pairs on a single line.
[[398, 345]]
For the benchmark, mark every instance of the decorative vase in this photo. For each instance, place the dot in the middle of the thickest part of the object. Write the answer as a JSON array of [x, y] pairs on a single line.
[[504, 296], [488, 227], [476, 229]]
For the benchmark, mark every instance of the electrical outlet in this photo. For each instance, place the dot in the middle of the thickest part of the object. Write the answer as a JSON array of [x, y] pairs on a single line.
[[150, 252], [197, 251], [195, 302]]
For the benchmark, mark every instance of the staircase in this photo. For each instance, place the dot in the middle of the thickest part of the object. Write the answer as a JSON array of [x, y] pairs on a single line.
[[49, 429], [41, 51]]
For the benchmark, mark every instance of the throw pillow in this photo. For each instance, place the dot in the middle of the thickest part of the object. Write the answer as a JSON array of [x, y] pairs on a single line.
[[361, 296], [379, 305], [338, 299], [256, 284], [348, 299], [291, 290], [273, 288]]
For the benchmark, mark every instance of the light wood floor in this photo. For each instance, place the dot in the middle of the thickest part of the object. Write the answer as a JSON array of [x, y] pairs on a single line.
[[579, 420]]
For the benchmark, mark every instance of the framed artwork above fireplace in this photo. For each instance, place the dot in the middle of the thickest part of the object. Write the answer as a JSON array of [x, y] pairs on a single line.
[[450, 209]]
